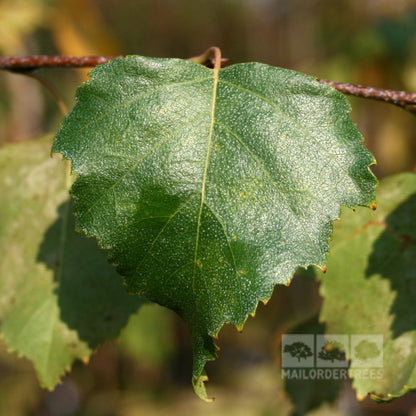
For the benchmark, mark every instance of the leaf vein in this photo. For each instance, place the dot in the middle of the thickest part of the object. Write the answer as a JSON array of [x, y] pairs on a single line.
[[164, 228], [140, 159], [205, 173], [295, 122], [133, 99], [111, 188], [220, 221]]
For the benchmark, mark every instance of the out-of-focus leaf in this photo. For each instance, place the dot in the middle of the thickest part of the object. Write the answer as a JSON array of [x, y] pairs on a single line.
[[19, 18], [149, 336], [58, 296], [370, 290]]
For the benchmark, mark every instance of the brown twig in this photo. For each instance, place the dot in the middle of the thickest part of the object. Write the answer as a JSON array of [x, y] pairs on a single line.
[[25, 63], [28, 63], [404, 99], [22, 64]]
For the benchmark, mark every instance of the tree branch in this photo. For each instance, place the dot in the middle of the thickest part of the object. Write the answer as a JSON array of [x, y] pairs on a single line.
[[23, 64], [406, 100], [27, 63]]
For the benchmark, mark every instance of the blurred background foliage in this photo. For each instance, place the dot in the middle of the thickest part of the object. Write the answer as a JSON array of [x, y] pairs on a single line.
[[147, 371]]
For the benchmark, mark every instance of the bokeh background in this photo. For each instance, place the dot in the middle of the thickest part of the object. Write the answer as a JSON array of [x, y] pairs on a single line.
[[147, 371]]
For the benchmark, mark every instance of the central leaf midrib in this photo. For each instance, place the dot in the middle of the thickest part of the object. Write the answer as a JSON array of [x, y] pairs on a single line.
[[204, 176]]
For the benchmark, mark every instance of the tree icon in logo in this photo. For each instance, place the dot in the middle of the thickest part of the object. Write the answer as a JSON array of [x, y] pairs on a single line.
[[298, 350], [366, 350], [332, 351]]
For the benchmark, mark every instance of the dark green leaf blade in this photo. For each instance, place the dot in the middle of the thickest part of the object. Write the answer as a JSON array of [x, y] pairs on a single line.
[[209, 187], [370, 289]]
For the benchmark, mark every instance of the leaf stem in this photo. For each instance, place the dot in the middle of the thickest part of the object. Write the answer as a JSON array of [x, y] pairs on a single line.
[[58, 99], [217, 58], [205, 58]]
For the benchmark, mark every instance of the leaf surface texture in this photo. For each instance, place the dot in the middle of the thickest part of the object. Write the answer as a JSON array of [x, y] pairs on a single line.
[[209, 187]]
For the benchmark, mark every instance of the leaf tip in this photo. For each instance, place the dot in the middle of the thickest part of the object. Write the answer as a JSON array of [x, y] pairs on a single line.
[[373, 206], [199, 387]]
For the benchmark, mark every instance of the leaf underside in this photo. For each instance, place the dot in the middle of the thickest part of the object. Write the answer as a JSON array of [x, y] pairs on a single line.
[[209, 187], [370, 289]]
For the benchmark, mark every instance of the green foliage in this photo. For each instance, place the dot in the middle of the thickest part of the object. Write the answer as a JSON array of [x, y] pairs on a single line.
[[370, 287], [209, 187], [59, 298]]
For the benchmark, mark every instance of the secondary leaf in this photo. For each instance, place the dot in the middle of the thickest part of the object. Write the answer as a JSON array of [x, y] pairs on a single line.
[[209, 187], [370, 289], [59, 297]]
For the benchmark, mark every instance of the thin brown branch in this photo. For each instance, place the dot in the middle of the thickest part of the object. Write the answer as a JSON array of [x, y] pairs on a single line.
[[27, 63], [402, 99], [24, 63]]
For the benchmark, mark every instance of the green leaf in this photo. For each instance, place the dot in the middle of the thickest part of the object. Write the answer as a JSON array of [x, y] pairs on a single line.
[[370, 289], [59, 297], [209, 187]]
